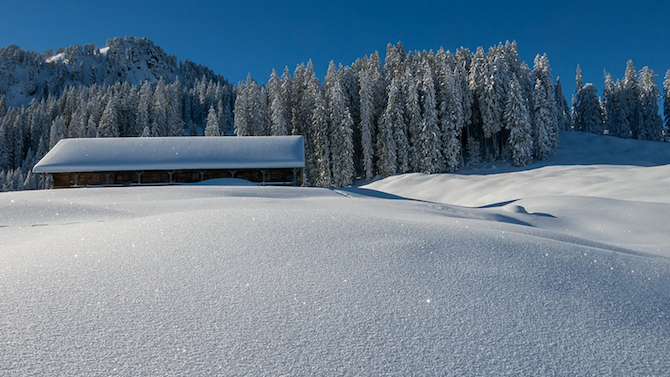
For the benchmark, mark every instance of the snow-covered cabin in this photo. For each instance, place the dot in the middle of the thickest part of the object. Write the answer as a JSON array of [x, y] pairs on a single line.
[[268, 160]]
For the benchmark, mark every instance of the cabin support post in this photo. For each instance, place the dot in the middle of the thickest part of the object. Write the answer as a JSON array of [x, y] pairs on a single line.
[[232, 173], [295, 176], [76, 179], [170, 173], [107, 175], [139, 177], [263, 173], [202, 175]]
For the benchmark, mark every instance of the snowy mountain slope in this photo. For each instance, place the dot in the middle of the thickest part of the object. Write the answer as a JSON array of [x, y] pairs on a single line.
[[223, 280], [25, 75]]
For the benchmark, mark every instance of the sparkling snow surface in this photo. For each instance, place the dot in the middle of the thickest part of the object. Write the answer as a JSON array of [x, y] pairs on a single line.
[[518, 279]]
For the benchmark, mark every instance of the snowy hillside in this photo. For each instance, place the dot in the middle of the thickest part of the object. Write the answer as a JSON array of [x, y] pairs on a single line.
[[553, 269], [27, 75]]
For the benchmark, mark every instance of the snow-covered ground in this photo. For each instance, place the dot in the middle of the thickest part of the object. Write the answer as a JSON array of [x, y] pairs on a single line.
[[561, 268]]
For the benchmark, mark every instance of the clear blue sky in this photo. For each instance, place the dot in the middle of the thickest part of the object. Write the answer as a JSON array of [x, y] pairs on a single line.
[[239, 37]]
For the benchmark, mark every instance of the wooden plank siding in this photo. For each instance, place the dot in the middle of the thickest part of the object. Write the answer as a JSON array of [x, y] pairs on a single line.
[[284, 177]]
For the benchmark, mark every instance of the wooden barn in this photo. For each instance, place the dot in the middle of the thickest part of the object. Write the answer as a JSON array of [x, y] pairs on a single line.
[[267, 160]]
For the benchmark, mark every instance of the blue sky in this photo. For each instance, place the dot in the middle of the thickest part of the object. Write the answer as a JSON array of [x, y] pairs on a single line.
[[239, 37]]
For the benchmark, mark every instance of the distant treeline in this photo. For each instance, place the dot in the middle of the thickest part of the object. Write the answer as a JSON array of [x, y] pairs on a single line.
[[628, 107]]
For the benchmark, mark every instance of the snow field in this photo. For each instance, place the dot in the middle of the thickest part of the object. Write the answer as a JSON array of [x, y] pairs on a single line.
[[546, 270]]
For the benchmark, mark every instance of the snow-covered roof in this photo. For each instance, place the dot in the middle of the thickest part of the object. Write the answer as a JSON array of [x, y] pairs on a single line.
[[173, 153]]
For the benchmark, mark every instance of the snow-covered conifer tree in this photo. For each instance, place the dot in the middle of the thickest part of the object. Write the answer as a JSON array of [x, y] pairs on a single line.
[[579, 84], [428, 146], [320, 136], [159, 110], [109, 126], [650, 124], [544, 120], [277, 114], [589, 113], [413, 117], [610, 107], [173, 112], [212, 127], [254, 107], [300, 104], [58, 131], [564, 117], [453, 121], [631, 98], [286, 96], [516, 119], [143, 106], [265, 124], [462, 59], [394, 62], [341, 133], [386, 147], [393, 118], [242, 121], [366, 124]]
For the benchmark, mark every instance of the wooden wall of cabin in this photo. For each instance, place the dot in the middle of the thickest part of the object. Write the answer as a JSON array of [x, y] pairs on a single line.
[[271, 176]]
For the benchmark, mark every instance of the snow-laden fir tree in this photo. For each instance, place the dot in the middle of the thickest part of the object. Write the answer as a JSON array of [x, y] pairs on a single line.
[[611, 107], [393, 118], [265, 123], [366, 125], [394, 62], [319, 129], [413, 117], [545, 131], [495, 88], [589, 113], [376, 71], [564, 117], [386, 147], [278, 121], [516, 120], [159, 126], [286, 97], [452, 121], [143, 106], [212, 128], [630, 98], [173, 112], [255, 108], [341, 133], [462, 62], [579, 84], [429, 140], [58, 131], [109, 126], [241, 112], [666, 100], [650, 124]]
